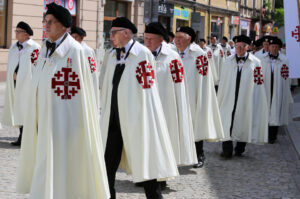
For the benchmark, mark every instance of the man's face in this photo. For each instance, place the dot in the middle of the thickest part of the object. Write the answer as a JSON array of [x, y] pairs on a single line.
[[54, 29], [201, 44], [21, 35], [152, 41], [117, 36], [274, 49], [182, 40], [77, 37], [240, 48], [266, 46], [223, 42], [213, 40]]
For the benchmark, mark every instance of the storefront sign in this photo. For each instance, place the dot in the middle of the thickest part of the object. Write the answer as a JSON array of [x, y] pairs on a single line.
[[180, 13], [235, 20], [244, 24], [69, 4], [58, 2], [165, 9]]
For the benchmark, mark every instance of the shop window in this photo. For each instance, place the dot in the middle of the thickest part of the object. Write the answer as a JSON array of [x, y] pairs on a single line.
[[112, 9], [3, 19]]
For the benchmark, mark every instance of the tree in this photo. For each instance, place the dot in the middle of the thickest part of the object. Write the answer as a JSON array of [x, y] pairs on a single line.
[[279, 4], [279, 16]]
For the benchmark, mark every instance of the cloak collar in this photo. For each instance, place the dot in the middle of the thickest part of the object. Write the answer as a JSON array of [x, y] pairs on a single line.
[[164, 48], [65, 46], [194, 47]]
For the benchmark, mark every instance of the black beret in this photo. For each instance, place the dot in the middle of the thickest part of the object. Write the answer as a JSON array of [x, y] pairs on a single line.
[[60, 13], [78, 30], [158, 29], [124, 23], [242, 38], [170, 33], [266, 38], [25, 27], [258, 42], [225, 38], [275, 40], [189, 31], [203, 40]]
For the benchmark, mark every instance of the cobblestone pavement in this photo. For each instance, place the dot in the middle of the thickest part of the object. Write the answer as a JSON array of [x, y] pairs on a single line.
[[265, 172]]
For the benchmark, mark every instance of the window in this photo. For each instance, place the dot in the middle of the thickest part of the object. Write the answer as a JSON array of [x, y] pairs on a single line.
[[3, 18], [112, 10], [217, 29]]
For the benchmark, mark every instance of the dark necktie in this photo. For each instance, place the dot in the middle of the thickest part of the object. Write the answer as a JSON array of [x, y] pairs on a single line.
[[273, 56], [119, 50], [154, 53], [20, 46], [238, 59], [223, 46], [50, 46]]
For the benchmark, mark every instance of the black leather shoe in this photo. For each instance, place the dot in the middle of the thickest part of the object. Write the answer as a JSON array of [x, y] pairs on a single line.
[[225, 156], [200, 162], [238, 154], [163, 185], [16, 143], [271, 141], [139, 184]]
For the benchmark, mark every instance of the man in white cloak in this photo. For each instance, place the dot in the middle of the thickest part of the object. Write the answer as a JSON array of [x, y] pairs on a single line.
[[277, 83], [242, 100], [225, 46], [78, 34], [201, 94], [133, 125], [219, 58], [22, 59], [171, 86], [61, 153], [264, 41]]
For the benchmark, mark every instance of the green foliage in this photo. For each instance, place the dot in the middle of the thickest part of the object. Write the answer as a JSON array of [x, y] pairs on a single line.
[[279, 16], [267, 5], [279, 4]]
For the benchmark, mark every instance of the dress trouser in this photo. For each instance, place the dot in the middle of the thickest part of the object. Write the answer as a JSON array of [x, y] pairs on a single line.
[[273, 131], [228, 148], [199, 148]]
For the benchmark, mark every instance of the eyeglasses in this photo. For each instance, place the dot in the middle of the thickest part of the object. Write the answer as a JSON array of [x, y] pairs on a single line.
[[113, 32], [18, 31], [50, 22]]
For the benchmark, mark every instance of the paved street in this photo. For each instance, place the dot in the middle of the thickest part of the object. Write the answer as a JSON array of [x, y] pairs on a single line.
[[265, 172]]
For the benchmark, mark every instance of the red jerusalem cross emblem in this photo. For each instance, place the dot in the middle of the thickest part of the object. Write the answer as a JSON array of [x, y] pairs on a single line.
[[65, 87], [92, 64], [34, 56], [258, 76], [201, 64], [209, 55], [296, 33], [221, 53], [145, 74], [176, 71], [228, 53], [284, 71]]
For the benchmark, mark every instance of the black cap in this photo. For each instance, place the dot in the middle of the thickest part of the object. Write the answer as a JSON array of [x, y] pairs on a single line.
[[25, 27], [158, 29], [275, 40], [203, 40], [60, 13], [170, 33], [266, 38], [189, 31], [225, 38], [124, 23], [78, 31], [242, 38]]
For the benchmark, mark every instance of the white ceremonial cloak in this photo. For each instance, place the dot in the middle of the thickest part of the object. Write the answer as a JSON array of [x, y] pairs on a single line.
[[251, 115], [173, 95], [259, 54], [279, 104], [147, 150], [219, 58], [62, 154], [202, 96], [226, 50], [211, 62], [16, 96], [92, 63]]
